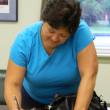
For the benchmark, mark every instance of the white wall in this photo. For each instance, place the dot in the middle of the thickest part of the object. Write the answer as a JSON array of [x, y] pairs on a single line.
[[103, 80], [28, 12]]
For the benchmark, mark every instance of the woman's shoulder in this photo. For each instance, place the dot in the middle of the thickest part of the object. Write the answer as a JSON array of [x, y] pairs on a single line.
[[83, 36], [82, 24], [28, 33], [22, 45], [83, 29], [31, 29]]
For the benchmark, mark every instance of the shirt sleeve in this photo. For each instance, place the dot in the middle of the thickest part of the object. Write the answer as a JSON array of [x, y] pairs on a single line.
[[83, 37], [18, 51]]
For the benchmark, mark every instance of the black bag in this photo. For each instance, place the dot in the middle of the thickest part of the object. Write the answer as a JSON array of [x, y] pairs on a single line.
[[67, 103], [96, 102]]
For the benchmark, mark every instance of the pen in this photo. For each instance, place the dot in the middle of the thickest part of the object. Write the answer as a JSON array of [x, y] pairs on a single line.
[[18, 106]]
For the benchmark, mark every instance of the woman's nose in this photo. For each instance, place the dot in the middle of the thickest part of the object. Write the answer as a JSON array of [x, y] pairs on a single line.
[[55, 38]]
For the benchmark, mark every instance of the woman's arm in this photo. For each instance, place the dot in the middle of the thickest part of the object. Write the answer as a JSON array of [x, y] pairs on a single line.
[[12, 85], [88, 66]]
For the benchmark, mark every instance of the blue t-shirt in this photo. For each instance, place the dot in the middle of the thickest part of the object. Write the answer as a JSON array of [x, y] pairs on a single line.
[[47, 75]]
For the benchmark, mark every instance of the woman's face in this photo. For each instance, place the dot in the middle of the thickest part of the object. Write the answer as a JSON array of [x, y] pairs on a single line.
[[54, 37]]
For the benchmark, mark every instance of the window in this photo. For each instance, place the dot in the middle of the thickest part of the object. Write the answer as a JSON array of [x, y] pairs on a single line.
[[97, 14]]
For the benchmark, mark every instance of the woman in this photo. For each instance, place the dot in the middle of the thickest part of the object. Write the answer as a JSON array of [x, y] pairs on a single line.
[[53, 56]]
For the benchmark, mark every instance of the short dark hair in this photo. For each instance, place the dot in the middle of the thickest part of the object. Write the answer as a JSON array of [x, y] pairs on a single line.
[[58, 13]]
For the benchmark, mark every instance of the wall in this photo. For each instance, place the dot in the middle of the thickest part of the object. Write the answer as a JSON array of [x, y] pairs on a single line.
[[103, 79], [28, 12]]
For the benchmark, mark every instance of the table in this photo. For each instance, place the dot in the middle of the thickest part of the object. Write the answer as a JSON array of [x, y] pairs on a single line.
[[3, 107]]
